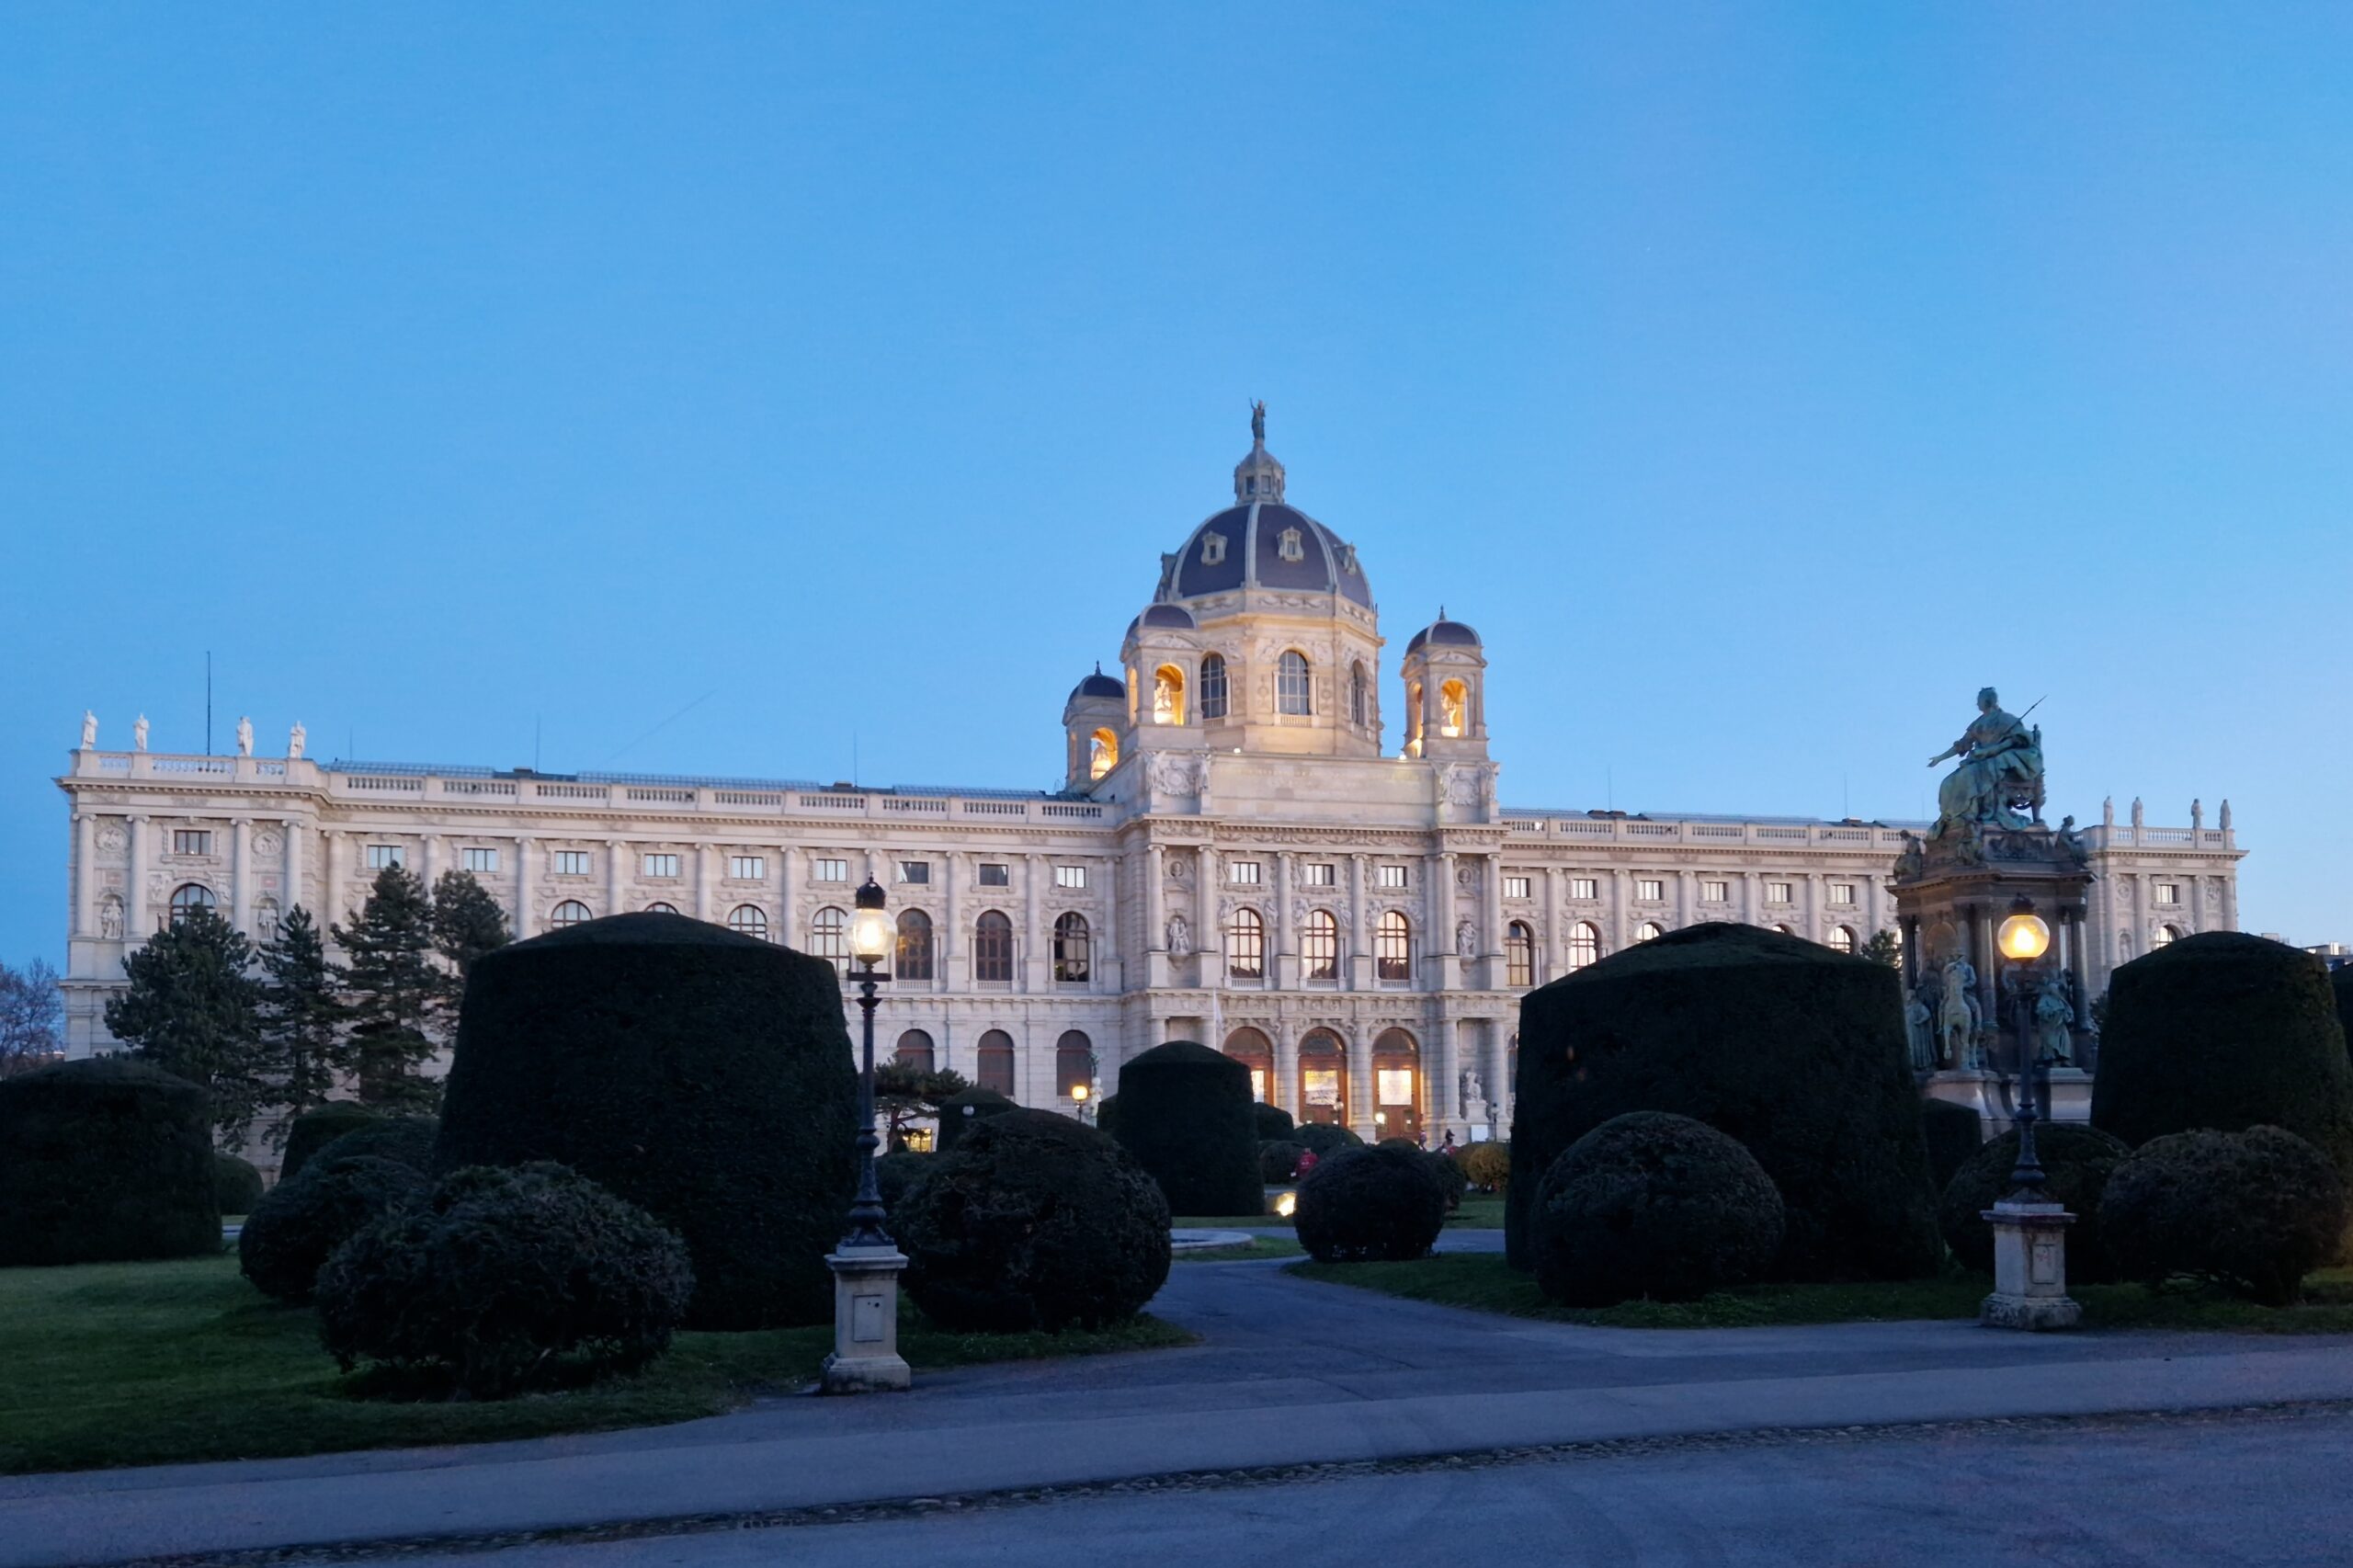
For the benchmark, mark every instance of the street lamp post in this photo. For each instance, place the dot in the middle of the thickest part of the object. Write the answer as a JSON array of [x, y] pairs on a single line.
[[2030, 1231], [866, 1264], [2024, 938]]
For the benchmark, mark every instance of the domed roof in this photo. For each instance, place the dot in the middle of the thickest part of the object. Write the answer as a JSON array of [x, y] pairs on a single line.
[[1166, 615], [1444, 633], [1266, 544], [1100, 685]]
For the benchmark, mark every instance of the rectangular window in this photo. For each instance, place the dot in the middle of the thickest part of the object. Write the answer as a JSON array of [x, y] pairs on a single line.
[[481, 859], [2168, 893], [572, 862], [661, 865], [1649, 889], [1516, 887], [1842, 892], [995, 875], [1716, 892], [916, 873], [1392, 876], [195, 841], [383, 856], [1245, 872], [1585, 887], [1777, 893], [832, 871], [1318, 874], [748, 868], [1070, 876]]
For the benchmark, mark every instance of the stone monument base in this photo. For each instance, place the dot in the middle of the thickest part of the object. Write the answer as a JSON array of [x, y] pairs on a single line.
[[2029, 1267], [866, 1357]]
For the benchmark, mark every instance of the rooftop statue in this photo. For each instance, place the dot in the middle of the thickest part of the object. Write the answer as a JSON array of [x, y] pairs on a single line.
[[2000, 781], [1258, 419]]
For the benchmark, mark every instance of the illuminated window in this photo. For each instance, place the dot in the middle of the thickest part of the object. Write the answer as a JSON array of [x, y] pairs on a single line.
[[1647, 930], [190, 897], [1453, 708], [1319, 947], [1520, 955], [993, 950], [1842, 940], [481, 859], [1071, 950], [1245, 945], [1323, 1077], [661, 865], [1291, 682], [829, 935], [1392, 947], [914, 960], [1255, 1052], [750, 920], [1584, 944], [1213, 686], [1168, 695], [571, 912], [2166, 936], [1102, 753]]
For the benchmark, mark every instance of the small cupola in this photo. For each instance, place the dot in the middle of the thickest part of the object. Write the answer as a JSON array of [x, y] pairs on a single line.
[[1259, 477]]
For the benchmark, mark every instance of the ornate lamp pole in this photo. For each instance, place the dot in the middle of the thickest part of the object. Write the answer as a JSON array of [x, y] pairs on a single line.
[[867, 1264], [2025, 938], [2030, 1232]]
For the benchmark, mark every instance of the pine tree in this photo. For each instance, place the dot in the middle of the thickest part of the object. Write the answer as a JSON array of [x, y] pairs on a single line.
[[192, 1009], [394, 992], [303, 1048], [1884, 946], [903, 1093], [467, 922]]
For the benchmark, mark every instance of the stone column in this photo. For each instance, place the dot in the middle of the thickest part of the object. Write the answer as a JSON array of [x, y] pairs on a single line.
[[1156, 937], [1752, 907], [702, 881], [2230, 900], [1619, 930], [1554, 960], [290, 868], [335, 847], [86, 874], [523, 853], [241, 875], [948, 947], [1492, 912], [616, 853], [137, 922], [1687, 901], [1358, 967], [785, 933], [1814, 906], [1362, 1100], [1441, 1096], [432, 859], [1103, 970], [1033, 958], [2141, 924], [1283, 971], [1208, 942]]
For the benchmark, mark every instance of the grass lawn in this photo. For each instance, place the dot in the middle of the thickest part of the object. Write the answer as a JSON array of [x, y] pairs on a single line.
[[154, 1363], [1256, 1246], [1478, 1212], [1484, 1282]]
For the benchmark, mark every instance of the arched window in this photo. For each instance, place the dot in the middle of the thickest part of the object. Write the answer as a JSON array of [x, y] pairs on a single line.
[[1396, 1084], [1392, 947], [1291, 682], [996, 1062], [1168, 695], [265, 920], [1071, 949], [659, 908], [1319, 947], [1519, 954], [189, 897], [1648, 929], [915, 1051], [750, 920], [1359, 695], [571, 912], [1413, 717], [1245, 945], [1102, 753], [1323, 1077], [993, 950], [1585, 944], [1453, 710], [829, 936], [1073, 1063], [2166, 936], [1255, 1051], [912, 961], [1842, 940], [1213, 692]]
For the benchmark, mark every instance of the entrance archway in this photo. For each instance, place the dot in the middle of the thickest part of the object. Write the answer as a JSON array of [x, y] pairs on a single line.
[[1397, 1085], [1323, 1078], [1255, 1051]]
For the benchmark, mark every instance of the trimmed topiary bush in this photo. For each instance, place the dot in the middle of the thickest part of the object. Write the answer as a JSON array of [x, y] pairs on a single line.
[[1325, 1138], [2252, 1211], [703, 1075], [1793, 1051], [1033, 1221], [960, 1113], [505, 1279], [1487, 1165], [318, 1127], [1274, 1123], [2077, 1161], [894, 1174], [298, 1223], [1107, 1116], [236, 1183], [1954, 1133], [104, 1160], [2228, 1031], [1360, 1203], [1185, 1114], [1653, 1206], [1450, 1178], [1278, 1161], [403, 1140]]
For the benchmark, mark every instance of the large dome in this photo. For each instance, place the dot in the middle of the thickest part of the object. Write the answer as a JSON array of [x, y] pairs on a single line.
[[1267, 544]]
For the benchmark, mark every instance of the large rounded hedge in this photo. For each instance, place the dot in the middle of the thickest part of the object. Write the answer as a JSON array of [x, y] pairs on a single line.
[[104, 1160], [1650, 1205], [1794, 1051], [403, 1140], [2340, 980], [1275, 1123], [236, 1183], [1954, 1133], [2076, 1163], [2252, 1211], [1185, 1113], [959, 1112], [896, 1172], [1324, 1138], [299, 1223], [2228, 1031], [1033, 1221], [500, 1280], [318, 1127], [703, 1075], [1278, 1161], [1383, 1204]]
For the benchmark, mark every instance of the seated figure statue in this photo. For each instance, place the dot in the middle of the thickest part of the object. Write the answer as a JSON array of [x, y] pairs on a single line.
[[1999, 781]]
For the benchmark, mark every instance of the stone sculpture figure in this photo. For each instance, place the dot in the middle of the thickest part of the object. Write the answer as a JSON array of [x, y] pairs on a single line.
[[2054, 1018], [2000, 772], [1475, 1092], [89, 729], [244, 737], [1919, 1029], [1956, 1015], [2197, 814], [1181, 935], [1466, 940], [295, 740], [1258, 419], [2223, 820], [110, 920], [1912, 862], [139, 733]]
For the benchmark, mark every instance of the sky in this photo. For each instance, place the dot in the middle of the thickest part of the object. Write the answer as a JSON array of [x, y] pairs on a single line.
[[809, 392]]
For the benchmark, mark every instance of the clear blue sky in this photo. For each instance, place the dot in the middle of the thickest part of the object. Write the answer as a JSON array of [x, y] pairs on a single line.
[[1761, 381]]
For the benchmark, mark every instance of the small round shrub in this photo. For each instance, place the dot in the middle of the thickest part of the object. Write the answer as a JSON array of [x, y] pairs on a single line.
[[1487, 1166], [1325, 1138], [403, 1140], [2076, 1160], [1397, 1143], [1185, 1115], [1450, 1176], [236, 1185], [1278, 1161], [1653, 1206], [1955, 1134], [2252, 1212], [104, 1160], [964, 1110], [894, 1173], [298, 1223], [1360, 1204], [1034, 1220], [503, 1278], [1274, 1123], [315, 1129]]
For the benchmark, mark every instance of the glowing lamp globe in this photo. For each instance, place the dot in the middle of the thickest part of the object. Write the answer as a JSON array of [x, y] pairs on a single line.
[[2024, 938], [1078, 1093], [869, 928]]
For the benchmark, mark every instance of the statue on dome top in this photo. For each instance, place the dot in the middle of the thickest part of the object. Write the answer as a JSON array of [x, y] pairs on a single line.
[[1258, 419]]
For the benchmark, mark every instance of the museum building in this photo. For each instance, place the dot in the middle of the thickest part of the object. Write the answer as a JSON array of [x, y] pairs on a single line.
[[1232, 857]]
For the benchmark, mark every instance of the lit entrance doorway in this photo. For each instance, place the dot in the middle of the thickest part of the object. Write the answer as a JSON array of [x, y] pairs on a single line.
[[1255, 1051], [1323, 1078], [1396, 1085]]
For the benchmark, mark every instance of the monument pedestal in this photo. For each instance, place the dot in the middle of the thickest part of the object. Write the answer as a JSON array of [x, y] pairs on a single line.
[[866, 1357], [2029, 1267]]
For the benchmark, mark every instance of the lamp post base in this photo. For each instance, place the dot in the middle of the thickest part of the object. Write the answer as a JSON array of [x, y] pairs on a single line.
[[866, 1357], [2029, 1267]]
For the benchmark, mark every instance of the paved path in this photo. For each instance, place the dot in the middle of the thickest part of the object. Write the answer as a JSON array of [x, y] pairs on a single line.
[[1289, 1371]]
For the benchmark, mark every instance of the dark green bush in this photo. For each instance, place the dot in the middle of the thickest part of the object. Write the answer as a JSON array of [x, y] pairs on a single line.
[[960, 1113], [318, 1127], [1450, 1176], [298, 1223], [1954, 1133], [1185, 1115], [2077, 1161], [2340, 980], [1793, 1051], [1653, 1206], [403, 1140], [1325, 1138], [2228, 1031], [1360, 1203], [1274, 1123], [2252, 1211], [500, 1280], [1033, 1221], [703, 1075], [1278, 1161], [236, 1185], [1107, 1116], [894, 1173], [104, 1160]]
